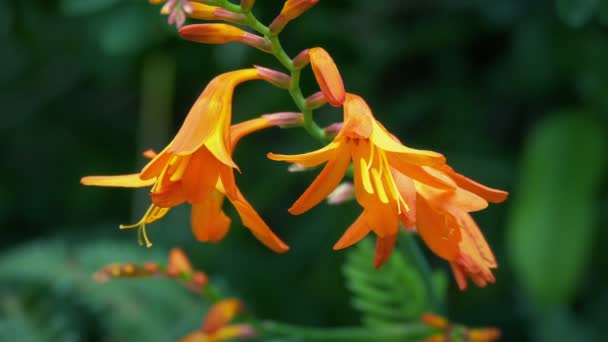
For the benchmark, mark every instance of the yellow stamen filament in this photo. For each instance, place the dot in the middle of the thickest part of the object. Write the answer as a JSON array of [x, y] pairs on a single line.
[[371, 156], [379, 187], [390, 182], [367, 184], [152, 214]]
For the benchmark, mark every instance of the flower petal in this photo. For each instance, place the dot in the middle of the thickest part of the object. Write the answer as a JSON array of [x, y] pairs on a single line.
[[385, 141], [126, 181], [244, 128], [209, 222], [357, 231], [200, 177], [490, 194], [384, 249], [420, 174], [324, 184], [256, 225], [221, 314], [438, 230], [310, 159]]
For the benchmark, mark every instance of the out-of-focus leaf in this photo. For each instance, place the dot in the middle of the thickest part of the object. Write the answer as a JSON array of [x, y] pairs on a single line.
[[85, 7], [576, 13], [602, 12], [562, 326], [129, 31], [553, 217]]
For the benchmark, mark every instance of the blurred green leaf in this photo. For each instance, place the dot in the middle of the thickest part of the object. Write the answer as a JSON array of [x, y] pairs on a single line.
[[85, 7], [394, 294], [562, 326], [554, 215], [576, 13], [602, 12]]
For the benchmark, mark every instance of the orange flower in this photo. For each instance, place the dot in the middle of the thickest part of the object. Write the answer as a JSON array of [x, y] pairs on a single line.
[[196, 167], [444, 223], [215, 326], [374, 153], [456, 332]]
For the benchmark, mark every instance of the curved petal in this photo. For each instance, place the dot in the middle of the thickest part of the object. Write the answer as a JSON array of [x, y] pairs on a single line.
[[490, 194], [209, 222], [211, 109], [385, 141], [256, 225], [125, 181], [357, 231], [438, 231], [244, 128], [420, 174], [310, 159], [324, 184], [384, 249], [200, 177]]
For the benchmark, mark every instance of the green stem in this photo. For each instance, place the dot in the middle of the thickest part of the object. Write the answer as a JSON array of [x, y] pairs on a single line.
[[404, 332], [425, 271]]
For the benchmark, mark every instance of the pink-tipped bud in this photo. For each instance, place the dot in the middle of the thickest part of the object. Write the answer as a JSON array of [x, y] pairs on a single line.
[[345, 192], [226, 15], [274, 77], [247, 4], [332, 130], [221, 34], [285, 119], [291, 10], [328, 77], [302, 59], [316, 100]]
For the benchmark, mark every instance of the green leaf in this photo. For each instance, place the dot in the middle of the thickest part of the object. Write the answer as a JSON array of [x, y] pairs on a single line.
[[392, 295], [576, 13], [554, 216]]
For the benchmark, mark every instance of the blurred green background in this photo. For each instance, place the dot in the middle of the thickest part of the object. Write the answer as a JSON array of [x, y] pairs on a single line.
[[513, 92]]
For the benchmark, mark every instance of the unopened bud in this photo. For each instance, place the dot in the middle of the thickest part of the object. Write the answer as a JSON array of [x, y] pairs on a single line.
[[246, 5], [328, 77], [149, 153], [199, 279], [345, 192], [316, 100], [302, 59], [332, 130], [291, 10], [285, 119], [221, 34], [277, 78], [226, 15], [483, 334], [434, 321]]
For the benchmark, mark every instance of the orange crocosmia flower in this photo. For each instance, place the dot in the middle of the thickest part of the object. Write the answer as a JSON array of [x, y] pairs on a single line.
[[444, 223], [215, 326], [374, 153], [327, 76], [196, 167]]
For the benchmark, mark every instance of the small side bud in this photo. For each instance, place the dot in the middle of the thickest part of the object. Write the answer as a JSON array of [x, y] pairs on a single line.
[[257, 42], [291, 10], [246, 5], [274, 77], [332, 130], [285, 119], [328, 77], [302, 59], [345, 192], [316, 100]]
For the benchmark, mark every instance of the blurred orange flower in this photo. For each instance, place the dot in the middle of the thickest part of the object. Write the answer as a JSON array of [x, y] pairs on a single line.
[[215, 326], [455, 332], [196, 167]]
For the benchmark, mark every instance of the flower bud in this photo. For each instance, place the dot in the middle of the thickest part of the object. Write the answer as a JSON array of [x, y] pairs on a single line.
[[291, 10], [434, 321], [316, 100], [332, 130], [302, 59], [199, 279], [297, 168], [328, 77], [285, 119], [221, 34], [483, 334], [274, 77], [149, 153], [343, 193]]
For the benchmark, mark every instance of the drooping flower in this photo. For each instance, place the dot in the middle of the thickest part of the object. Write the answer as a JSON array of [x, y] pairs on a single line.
[[444, 223], [215, 327], [374, 153], [197, 167]]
